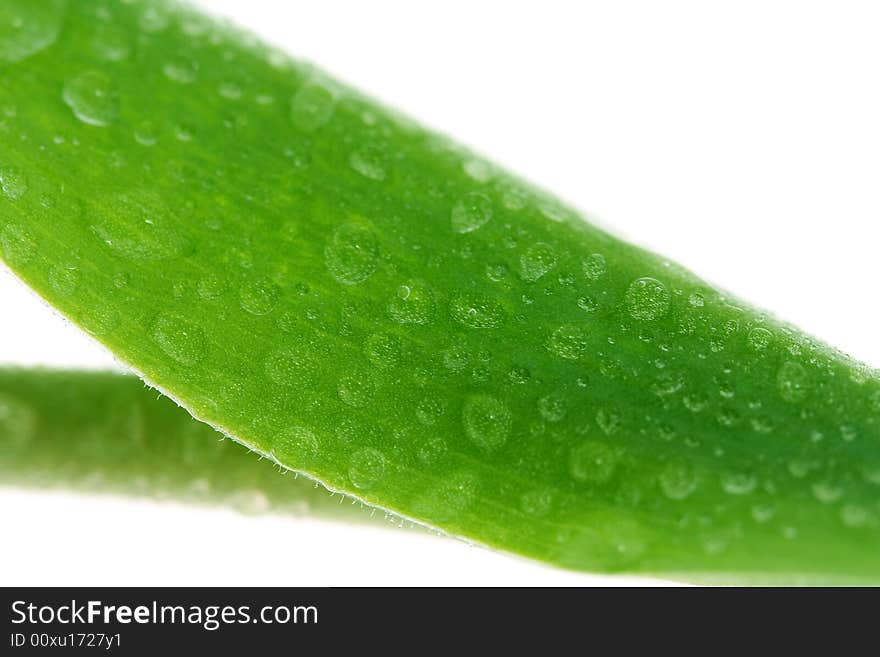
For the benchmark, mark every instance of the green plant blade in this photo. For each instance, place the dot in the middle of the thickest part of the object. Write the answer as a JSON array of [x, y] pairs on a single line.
[[105, 432], [364, 302]]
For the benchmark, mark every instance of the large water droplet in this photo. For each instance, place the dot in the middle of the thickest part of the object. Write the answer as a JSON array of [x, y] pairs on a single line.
[[647, 299], [538, 259], [472, 211], [487, 421], [28, 26], [367, 468], [352, 254], [178, 338], [92, 97]]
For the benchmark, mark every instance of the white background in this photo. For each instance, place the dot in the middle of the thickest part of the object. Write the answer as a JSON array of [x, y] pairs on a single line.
[[741, 139]]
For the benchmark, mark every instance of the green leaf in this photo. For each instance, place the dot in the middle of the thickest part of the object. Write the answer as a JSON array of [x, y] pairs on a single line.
[[363, 301], [106, 432]]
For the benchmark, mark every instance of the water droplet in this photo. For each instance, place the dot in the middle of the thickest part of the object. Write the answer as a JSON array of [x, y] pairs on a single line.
[[184, 71], [352, 254], [111, 44], [259, 297], [792, 381], [472, 211], [290, 366], [18, 421], [487, 421], [759, 338], [478, 170], [497, 272], [13, 184], [230, 91], [382, 350], [312, 106], [677, 481], [412, 304], [762, 513], [647, 299], [369, 162], [569, 342], [738, 483], [137, 225], [209, 288], [588, 304], [295, 446], [854, 516], [552, 407], [592, 463], [18, 244], [697, 300], [826, 492], [432, 450], [429, 411], [594, 266], [178, 338], [356, 390], [367, 468], [64, 280], [145, 134], [537, 503], [477, 312], [27, 27], [92, 97], [538, 259]]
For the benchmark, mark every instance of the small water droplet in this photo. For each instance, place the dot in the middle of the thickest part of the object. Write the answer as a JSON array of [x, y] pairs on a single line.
[[592, 462], [369, 162], [352, 254], [178, 338], [367, 468], [826, 492], [18, 244], [259, 297], [677, 481], [312, 106], [854, 516], [477, 312], [552, 407], [184, 71], [356, 390], [487, 421], [145, 133], [792, 381], [412, 304], [472, 211], [382, 350], [13, 184], [762, 513], [137, 225], [537, 503], [295, 446], [588, 304], [569, 342], [594, 266], [647, 299], [759, 338], [538, 259], [92, 97], [64, 280], [697, 300], [738, 483]]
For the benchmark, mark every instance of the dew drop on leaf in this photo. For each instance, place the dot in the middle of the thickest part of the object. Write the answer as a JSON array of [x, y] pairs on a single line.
[[477, 312], [412, 303], [178, 338], [472, 211], [28, 26], [677, 481], [647, 299], [352, 254], [92, 97], [538, 259], [367, 468], [13, 184], [487, 421], [592, 462]]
